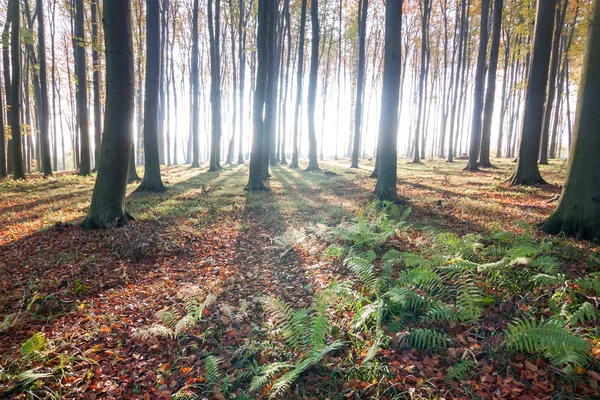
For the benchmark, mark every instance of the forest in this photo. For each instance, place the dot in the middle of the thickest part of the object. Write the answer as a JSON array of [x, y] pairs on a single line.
[[305, 199]]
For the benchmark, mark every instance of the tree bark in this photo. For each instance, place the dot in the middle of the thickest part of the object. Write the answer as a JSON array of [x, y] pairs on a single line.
[[488, 113], [561, 11], [300, 72], [214, 30], [385, 189], [96, 82], [358, 113], [15, 115], [195, 91], [479, 88], [578, 212], [82, 98], [528, 172], [255, 181], [313, 160], [152, 181], [108, 199]]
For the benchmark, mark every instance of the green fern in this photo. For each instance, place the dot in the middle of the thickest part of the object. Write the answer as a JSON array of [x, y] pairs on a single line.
[[443, 313], [461, 370], [315, 356], [211, 366], [422, 339], [266, 374], [551, 337], [361, 266], [585, 312]]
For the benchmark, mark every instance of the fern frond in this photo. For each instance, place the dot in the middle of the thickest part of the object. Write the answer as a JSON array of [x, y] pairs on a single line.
[[461, 370], [155, 330], [266, 373], [585, 312], [443, 313], [211, 366], [551, 337], [546, 265], [361, 266], [422, 339], [420, 276]]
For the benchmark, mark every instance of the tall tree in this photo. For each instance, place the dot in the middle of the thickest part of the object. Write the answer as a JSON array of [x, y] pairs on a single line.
[[255, 181], [82, 98], [479, 87], [271, 96], [300, 72], [528, 172], [44, 105], [15, 115], [578, 212], [313, 160], [108, 199], [214, 32], [96, 83], [242, 54], [363, 8], [425, 7], [152, 181], [195, 90], [386, 185], [561, 12], [490, 95]]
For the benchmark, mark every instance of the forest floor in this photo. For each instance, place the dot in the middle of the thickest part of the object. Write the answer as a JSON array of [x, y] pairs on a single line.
[[173, 305]]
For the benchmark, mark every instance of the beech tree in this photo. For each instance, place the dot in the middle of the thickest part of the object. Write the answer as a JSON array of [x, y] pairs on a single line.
[[96, 83], [294, 163], [44, 105], [195, 114], [152, 181], [108, 199], [528, 172], [313, 161], [255, 181], [578, 212], [82, 98], [15, 101], [214, 31], [479, 88], [363, 8], [385, 188], [490, 94]]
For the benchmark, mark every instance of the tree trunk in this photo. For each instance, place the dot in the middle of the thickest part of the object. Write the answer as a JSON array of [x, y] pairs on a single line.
[[313, 160], [425, 7], [271, 95], [503, 104], [385, 189], [578, 212], [96, 83], [214, 31], [358, 113], [152, 181], [108, 199], [488, 113], [255, 181], [300, 71], [82, 102], [15, 52], [242, 48], [554, 63], [461, 56], [528, 172], [479, 88], [195, 91]]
